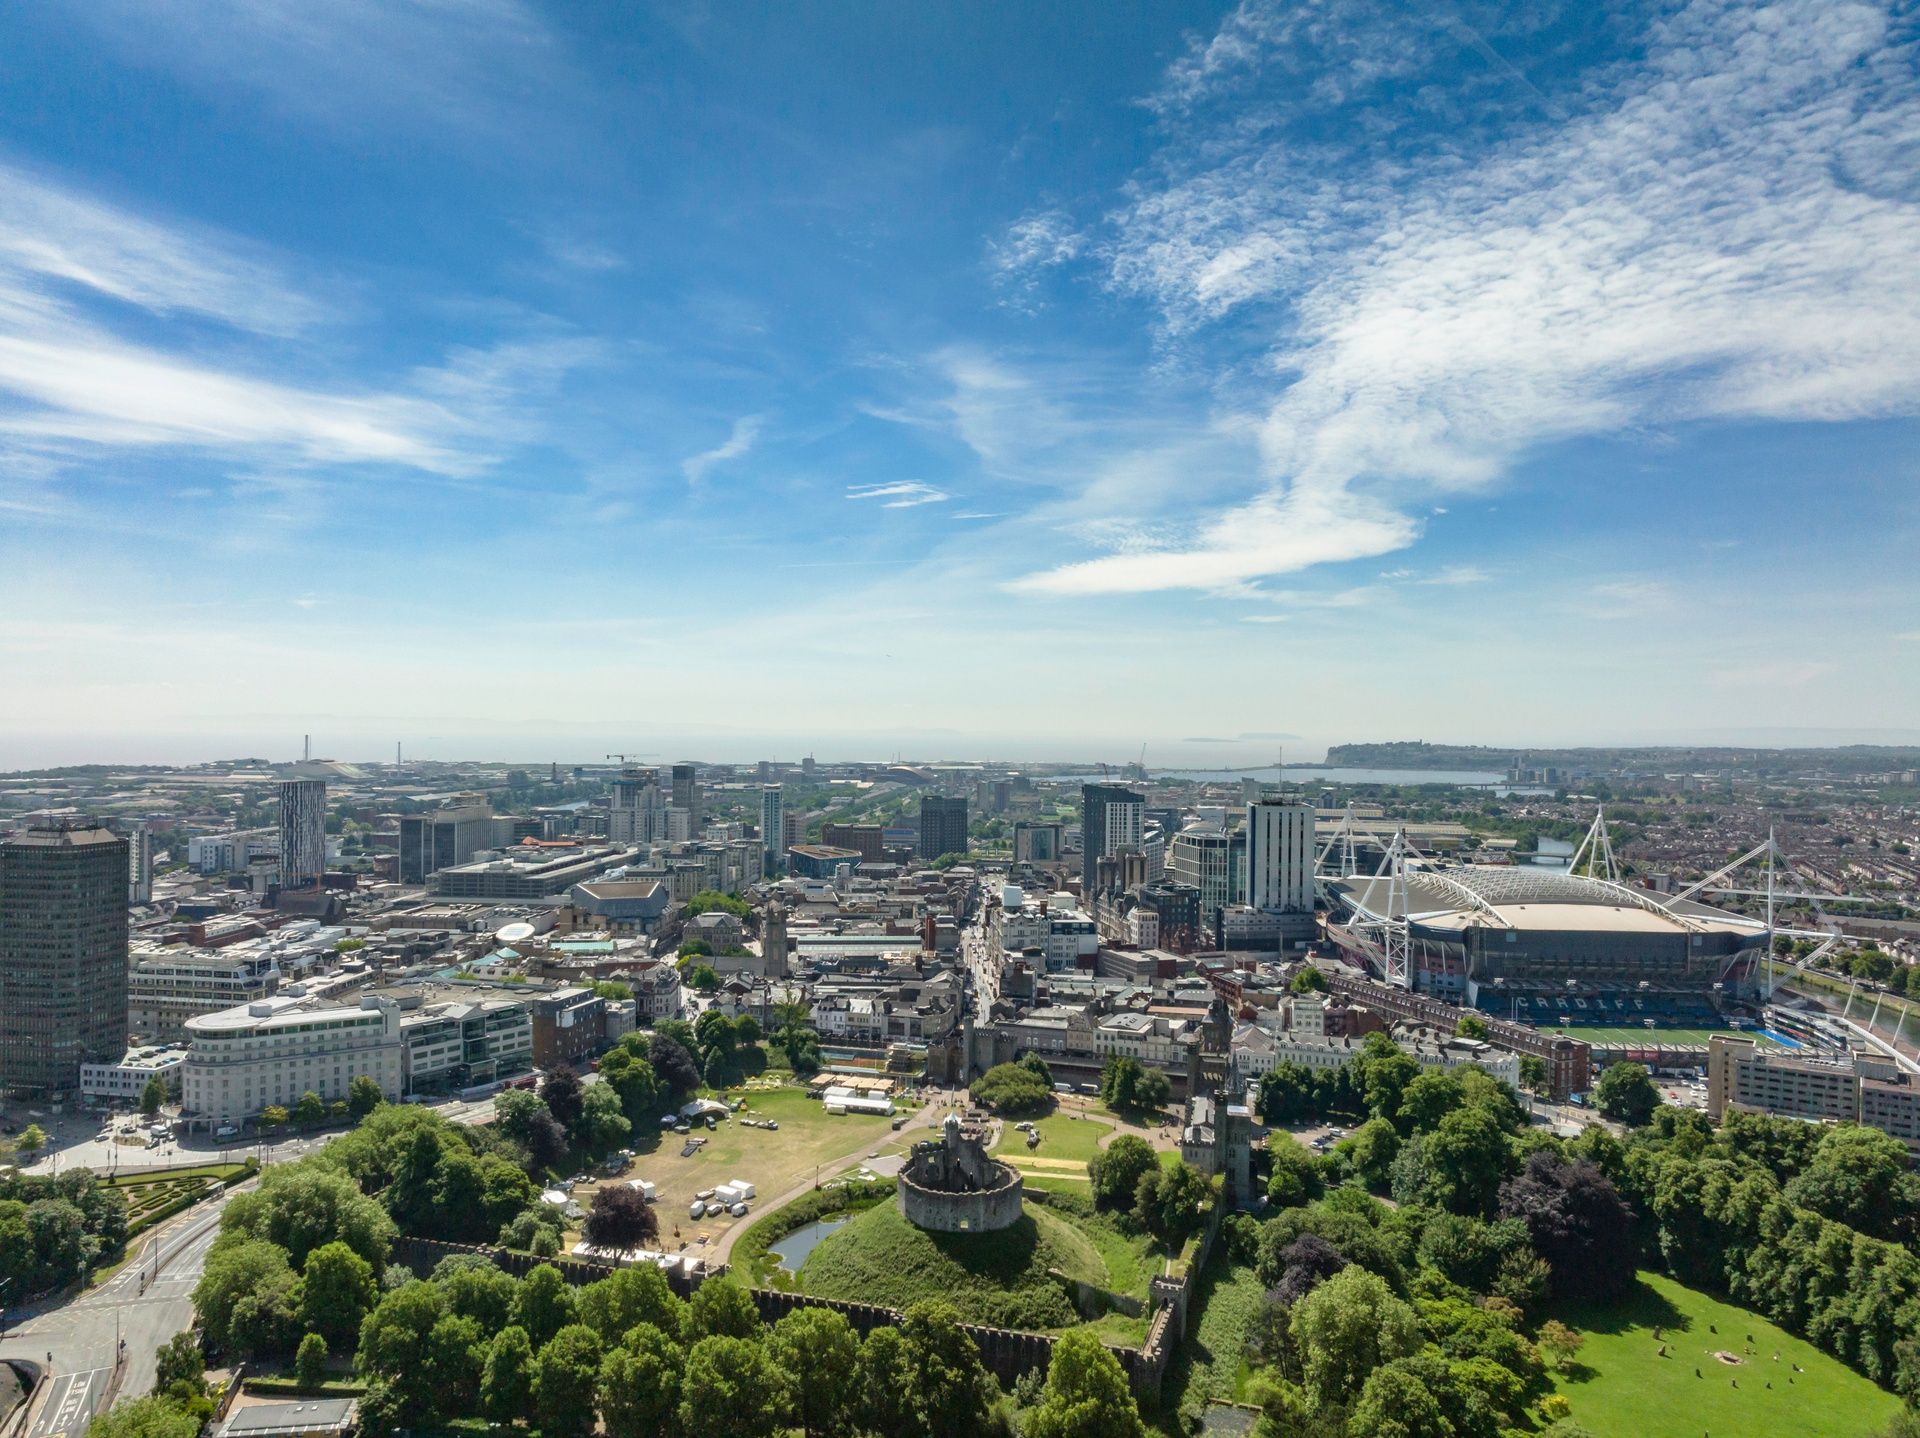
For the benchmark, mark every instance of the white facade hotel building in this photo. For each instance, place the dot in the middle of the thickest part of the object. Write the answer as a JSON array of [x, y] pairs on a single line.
[[274, 1050]]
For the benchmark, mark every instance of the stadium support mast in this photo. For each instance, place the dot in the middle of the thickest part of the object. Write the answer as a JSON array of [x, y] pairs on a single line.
[[1596, 851], [1393, 947]]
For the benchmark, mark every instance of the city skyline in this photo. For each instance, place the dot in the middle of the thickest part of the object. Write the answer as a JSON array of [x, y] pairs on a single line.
[[1533, 382]]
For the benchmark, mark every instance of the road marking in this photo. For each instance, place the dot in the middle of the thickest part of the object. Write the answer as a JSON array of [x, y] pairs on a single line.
[[69, 1412]]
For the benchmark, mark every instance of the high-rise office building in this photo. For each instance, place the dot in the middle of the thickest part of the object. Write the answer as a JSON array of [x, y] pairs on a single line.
[[773, 827], [1280, 856], [303, 832], [639, 811], [443, 838], [943, 826], [1110, 820], [686, 795], [139, 862], [63, 955]]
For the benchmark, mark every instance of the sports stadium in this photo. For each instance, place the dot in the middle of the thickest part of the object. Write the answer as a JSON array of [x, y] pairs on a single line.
[[1545, 947]]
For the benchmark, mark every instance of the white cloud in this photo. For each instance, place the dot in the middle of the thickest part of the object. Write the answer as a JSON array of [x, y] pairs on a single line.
[[47, 233], [71, 267], [1624, 599], [1725, 227], [1033, 244], [485, 68], [1274, 534], [903, 494], [740, 439]]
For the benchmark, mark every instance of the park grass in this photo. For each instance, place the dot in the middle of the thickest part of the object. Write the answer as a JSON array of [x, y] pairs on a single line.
[[998, 1278], [1619, 1386], [1063, 1137], [213, 1172], [1635, 1036], [809, 1140]]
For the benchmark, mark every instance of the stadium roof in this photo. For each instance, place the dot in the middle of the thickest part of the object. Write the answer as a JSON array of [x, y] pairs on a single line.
[[1529, 897]]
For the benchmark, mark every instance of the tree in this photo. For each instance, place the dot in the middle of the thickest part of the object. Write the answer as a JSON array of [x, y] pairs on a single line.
[[545, 1305], [640, 1384], [472, 1286], [1119, 1079], [731, 1390], [1405, 1398], [1086, 1394], [1152, 1091], [1533, 1073], [1458, 1166], [1304, 1265], [1296, 1172], [1576, 1221], [563, 1095], [302, 1206], [396, 1344], [179, 1360], [703, 977], [523, 1118], [311, 1111], [952, 1392], [621, 1217], [1430, 1098], [1626, 1095], [1308, 981], [506, 1377], [627, 1298], [1471, 1026], [601, 1124], [363, 1096], [153, 1097], [633, 1079], [1347, 1327], [817, 1347], [674, 1064], [1116, 1170], [566, 1373], [884, 1403], [310, 1361], [709, 899], [336, 1292], [150, 1417], [237, 1268], [1559, 1343], [1859, 1176], [720, 1307], [32, 1139], [1167, 1202], [273, 1118], [1011, 1089], [1038, 1067], [1371, 1150]]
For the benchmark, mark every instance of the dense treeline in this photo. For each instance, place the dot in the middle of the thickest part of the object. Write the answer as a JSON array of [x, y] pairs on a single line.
[[1370, 1307], [52, 1230], [303, 1269]]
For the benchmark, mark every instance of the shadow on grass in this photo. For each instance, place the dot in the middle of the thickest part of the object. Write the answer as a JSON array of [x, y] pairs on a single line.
[[1639, 1307], [1004, 1254]]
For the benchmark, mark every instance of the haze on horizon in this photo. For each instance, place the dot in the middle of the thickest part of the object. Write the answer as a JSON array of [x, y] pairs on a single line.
[[523, 380]]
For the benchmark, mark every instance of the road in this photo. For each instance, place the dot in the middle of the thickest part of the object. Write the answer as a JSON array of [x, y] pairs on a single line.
[[81, 1334]]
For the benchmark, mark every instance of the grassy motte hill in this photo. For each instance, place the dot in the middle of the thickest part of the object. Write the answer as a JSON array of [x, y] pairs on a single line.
[[992, 1278], [1620, 1387]]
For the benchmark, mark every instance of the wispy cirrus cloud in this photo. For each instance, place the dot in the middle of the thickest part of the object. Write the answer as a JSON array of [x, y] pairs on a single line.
[[740, 439], [1720, 223], [73, 267], [903, 494]]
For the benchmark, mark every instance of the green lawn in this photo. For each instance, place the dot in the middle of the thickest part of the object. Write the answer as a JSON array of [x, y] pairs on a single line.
[[1638, 1036], [997, 1278], [1062, 1136], [1621, 1387], [809, 1139]]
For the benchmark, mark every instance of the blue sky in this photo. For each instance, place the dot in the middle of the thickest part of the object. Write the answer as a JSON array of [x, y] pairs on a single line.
[[954, 378]]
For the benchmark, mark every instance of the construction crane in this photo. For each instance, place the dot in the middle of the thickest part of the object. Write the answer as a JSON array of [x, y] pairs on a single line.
[[627, 758]]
